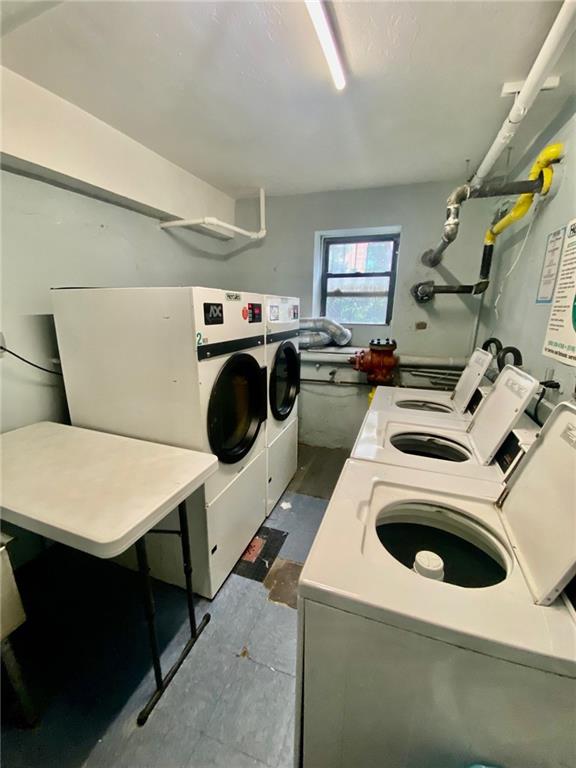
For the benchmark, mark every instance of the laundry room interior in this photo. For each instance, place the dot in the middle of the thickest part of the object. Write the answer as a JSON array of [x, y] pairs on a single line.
[[288, 384]]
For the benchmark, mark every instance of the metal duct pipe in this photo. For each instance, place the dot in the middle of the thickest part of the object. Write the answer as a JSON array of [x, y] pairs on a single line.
[[556, 40], [340, 335], [433, 256], [311, 339], [539, 181]]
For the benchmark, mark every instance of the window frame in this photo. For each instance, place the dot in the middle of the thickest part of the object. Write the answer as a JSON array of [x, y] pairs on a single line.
[[327, 241]]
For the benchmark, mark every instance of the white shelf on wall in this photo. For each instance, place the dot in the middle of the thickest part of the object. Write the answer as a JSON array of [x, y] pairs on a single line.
[[221, 230]]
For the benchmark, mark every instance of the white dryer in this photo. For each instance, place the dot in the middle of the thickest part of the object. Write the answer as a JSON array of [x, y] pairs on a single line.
[[283, 364], [183, 366], [442, 407], [448, 449], [399, 667]]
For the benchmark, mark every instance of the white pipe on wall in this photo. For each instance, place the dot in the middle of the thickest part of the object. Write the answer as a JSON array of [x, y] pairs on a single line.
[[211, 221], [560, 33]]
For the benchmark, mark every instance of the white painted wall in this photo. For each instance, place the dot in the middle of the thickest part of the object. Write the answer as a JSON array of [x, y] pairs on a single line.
[[519, 320], [53, 138], [53, 237], [284, 262]]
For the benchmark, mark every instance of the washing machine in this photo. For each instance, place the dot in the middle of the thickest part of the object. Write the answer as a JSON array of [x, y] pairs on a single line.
[[283, 365], [183, 366], [433, 626], [473, 453], [457, 406]]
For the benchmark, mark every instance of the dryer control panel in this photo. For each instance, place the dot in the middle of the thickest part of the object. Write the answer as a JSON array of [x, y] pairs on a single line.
[[253, 313]]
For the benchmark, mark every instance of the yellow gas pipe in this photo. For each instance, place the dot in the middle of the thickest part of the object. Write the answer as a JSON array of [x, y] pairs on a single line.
[[550, 154]]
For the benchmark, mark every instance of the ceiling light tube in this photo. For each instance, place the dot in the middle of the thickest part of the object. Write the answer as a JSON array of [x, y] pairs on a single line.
[[325, 34]]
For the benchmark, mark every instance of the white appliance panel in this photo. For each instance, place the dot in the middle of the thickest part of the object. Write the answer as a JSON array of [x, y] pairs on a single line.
[[282, 463], [374, 693], [129, 362], [470, 379], [499, 412], [539, 511]]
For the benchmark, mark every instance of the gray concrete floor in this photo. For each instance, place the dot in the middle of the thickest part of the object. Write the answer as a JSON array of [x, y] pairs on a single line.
[[84, 648]]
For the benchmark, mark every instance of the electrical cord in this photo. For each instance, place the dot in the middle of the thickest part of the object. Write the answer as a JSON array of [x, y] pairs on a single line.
[[548, 384], [516, 260], [540, 398], [29, 362]]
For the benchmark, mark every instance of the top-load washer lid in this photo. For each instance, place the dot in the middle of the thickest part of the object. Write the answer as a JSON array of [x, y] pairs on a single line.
[[500, 410], [539, 507], [470, 379]]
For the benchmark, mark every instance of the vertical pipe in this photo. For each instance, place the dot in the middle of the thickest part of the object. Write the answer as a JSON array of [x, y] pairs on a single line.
[[262, 211], [556, 40]]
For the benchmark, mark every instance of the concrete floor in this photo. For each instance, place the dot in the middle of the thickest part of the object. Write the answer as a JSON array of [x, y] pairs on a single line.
[[84, 650]]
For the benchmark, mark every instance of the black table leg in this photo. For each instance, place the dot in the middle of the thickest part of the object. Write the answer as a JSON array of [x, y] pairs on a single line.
[[186, 557], [16, 678], [149, 609], [163, 682]]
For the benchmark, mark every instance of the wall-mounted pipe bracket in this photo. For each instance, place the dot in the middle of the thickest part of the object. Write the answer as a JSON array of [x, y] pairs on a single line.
[[221, 230]]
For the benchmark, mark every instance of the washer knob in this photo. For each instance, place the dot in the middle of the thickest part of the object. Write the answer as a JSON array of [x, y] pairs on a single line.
[[429, 564]]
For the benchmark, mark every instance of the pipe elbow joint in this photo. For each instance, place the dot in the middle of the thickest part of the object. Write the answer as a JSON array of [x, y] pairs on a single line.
[[431, 258], [480, 287], [459, 195], [423, 292], [450, 231]]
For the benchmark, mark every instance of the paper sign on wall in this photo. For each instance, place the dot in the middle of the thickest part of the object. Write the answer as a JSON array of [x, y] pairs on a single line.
[[550, 266], [560, 342]]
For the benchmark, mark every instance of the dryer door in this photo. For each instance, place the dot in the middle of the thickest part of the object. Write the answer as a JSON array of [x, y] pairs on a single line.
[[237, 408], [284, 380]]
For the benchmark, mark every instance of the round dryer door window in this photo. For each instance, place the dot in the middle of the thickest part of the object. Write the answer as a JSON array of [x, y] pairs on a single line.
[[237, 408], [284, 380]]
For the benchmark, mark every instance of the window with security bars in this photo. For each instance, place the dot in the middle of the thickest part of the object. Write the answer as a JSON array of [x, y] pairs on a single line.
[[358, 278]]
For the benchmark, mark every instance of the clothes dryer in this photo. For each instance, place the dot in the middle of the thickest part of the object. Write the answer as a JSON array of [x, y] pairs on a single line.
[[283, 365], [183, 366]]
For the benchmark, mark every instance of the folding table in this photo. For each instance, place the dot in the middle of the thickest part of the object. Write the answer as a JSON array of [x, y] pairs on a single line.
[[101, 493]]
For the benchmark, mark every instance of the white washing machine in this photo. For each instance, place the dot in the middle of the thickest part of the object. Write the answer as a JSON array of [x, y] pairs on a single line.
[[448, 449], [457, 406], [283, 364], [467, 657], [182, 366]]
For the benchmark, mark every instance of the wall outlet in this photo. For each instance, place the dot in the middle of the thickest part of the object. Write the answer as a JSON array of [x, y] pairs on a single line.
[[2, 344]]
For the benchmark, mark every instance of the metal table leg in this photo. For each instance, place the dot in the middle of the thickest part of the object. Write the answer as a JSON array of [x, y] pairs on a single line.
[[195, 631], [16, 678]]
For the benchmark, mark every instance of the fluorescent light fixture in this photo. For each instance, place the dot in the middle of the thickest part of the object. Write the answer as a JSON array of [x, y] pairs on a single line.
[[319, 18]]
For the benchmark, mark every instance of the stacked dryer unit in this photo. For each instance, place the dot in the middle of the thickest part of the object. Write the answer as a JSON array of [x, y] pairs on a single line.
[[183, 366], [283, 364]]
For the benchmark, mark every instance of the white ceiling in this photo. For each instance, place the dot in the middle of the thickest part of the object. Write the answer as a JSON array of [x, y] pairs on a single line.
[[238, 93]]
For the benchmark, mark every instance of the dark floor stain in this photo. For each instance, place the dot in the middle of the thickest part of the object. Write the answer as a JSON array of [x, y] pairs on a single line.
[[318, 470], [257, 568], [282, 582]]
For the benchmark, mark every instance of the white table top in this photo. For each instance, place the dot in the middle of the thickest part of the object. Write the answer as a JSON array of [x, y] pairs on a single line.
[[91, 490]]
